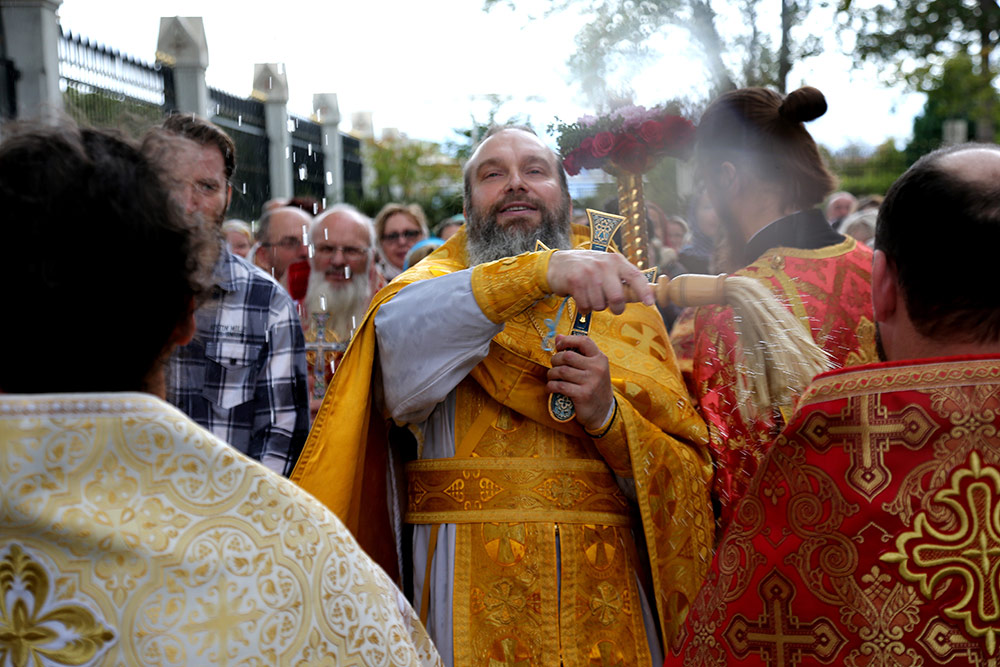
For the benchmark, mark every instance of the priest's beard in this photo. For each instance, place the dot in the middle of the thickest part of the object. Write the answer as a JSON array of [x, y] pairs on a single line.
[[487, 241], [346, 304]]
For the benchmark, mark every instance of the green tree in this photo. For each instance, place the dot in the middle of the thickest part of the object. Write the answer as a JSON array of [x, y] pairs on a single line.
[[958, 95], [618, 36], [864, 171], [914, 39], [412, 171]]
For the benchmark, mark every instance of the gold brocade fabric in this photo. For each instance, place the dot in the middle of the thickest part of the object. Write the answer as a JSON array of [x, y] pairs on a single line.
[[513, 601], [131, 536]]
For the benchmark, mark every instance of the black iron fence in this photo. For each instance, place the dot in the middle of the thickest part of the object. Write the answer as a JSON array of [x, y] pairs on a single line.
[[243, 120], [105, 88]]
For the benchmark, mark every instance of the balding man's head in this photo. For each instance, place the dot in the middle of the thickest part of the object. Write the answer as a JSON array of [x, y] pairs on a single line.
[[342, 238], [939, 228]]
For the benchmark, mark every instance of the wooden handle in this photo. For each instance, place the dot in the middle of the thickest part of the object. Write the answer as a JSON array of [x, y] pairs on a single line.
[[691, 289]]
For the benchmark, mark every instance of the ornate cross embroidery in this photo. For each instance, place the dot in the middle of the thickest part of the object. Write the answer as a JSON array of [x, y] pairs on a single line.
[[866, 444], [778, 635], [971, 554]]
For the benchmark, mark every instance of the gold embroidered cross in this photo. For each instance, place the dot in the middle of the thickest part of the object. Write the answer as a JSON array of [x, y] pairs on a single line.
[[866, 443], [778, 635]]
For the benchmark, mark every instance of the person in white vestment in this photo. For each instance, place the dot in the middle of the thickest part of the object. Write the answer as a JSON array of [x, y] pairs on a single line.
[[129, 535]]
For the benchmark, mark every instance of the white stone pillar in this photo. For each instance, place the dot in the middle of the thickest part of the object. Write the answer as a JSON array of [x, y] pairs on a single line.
[[32, 34], [182, 46], [327, 112], [270, 85]]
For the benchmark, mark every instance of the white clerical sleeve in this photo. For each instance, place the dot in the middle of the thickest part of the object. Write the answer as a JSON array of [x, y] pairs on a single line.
[[430, 335]]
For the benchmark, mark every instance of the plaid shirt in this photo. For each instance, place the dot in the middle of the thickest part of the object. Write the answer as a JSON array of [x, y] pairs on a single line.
[[243, 377]]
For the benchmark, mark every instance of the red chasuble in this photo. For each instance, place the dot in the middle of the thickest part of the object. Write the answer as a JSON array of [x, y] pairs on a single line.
[[829, 290], [870, 535]]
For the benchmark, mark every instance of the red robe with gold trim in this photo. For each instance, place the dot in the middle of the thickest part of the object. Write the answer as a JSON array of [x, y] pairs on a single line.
[[871, 532], [828, 289]]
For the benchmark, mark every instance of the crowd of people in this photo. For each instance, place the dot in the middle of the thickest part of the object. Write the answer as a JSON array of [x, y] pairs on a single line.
[[326, 438]]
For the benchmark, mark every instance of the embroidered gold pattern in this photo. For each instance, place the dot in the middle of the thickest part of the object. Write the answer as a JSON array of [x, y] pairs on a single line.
[[35, 630], [777, 634], [877, 429], [971, 554]]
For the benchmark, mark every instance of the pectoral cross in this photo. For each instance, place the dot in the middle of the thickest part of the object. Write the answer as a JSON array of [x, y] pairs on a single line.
[[319, 348], [602, 229]]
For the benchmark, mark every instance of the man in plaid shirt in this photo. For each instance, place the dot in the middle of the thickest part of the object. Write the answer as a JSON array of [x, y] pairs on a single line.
[[243, 377]]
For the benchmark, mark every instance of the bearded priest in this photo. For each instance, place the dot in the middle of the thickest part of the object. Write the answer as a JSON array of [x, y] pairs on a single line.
[[129, 535], [870, 532], [524, 539]]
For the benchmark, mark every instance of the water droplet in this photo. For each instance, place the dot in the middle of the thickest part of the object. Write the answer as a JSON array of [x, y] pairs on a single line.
[[302, 172], [324, 202], [329, 178], [310, 149], [288, 152], [290, 125], [239, 120], [217, 109], [244, 188], [322, 303], [326, 233]]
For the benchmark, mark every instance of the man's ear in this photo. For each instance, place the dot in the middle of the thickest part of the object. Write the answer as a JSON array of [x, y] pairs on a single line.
[[885, 287], [728, 178], [229, 196]]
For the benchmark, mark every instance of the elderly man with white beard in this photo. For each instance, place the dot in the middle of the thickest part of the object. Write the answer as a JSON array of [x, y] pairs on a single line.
[[340, 283]]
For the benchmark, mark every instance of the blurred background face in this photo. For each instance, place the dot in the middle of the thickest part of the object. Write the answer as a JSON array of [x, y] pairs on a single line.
[[238, 243], [288, 239], [675, 235], [400, 234]]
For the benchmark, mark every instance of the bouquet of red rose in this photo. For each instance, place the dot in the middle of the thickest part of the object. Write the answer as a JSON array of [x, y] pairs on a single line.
[[630, 138]]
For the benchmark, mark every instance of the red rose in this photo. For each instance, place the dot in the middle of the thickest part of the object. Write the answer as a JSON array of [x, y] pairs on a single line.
[[603, 143], [631, 155], [586, 144], [586, 159], [570, 164], [652, 133], [678, 135]]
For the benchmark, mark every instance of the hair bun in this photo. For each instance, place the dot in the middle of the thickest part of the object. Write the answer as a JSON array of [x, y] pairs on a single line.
[[803, 105]]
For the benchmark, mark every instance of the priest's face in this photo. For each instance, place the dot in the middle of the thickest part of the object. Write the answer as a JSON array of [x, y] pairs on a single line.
[[514, 196]]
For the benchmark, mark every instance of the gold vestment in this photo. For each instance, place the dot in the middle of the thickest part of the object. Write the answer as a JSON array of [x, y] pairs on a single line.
[[546, 556], [129, 535]]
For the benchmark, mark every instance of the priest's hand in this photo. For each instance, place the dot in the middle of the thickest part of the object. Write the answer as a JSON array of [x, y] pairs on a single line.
[[597, 280], [580, 371]]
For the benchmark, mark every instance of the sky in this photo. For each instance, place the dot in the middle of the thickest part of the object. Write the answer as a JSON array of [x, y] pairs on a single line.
[[425, 68]]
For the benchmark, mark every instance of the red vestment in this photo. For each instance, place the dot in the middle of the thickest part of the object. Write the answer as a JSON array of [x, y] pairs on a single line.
[[870, 535], [829, 290]]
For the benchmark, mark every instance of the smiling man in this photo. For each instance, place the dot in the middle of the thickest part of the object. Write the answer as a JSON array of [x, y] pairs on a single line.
[[522, 539]]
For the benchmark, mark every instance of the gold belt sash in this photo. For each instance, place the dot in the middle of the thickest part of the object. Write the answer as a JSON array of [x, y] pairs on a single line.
[[480, 490]]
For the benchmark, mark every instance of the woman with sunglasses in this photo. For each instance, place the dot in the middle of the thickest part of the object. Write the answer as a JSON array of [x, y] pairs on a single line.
[[398, 227]]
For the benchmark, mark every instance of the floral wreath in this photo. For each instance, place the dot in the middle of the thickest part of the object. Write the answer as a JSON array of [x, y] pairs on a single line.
[[630, 138]]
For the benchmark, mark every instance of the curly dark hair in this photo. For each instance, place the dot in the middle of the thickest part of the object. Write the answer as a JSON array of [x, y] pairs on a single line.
[[102, 266]]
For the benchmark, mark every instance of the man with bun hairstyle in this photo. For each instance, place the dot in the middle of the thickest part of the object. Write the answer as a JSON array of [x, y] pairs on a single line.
[[765, 178], [869, 533]]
